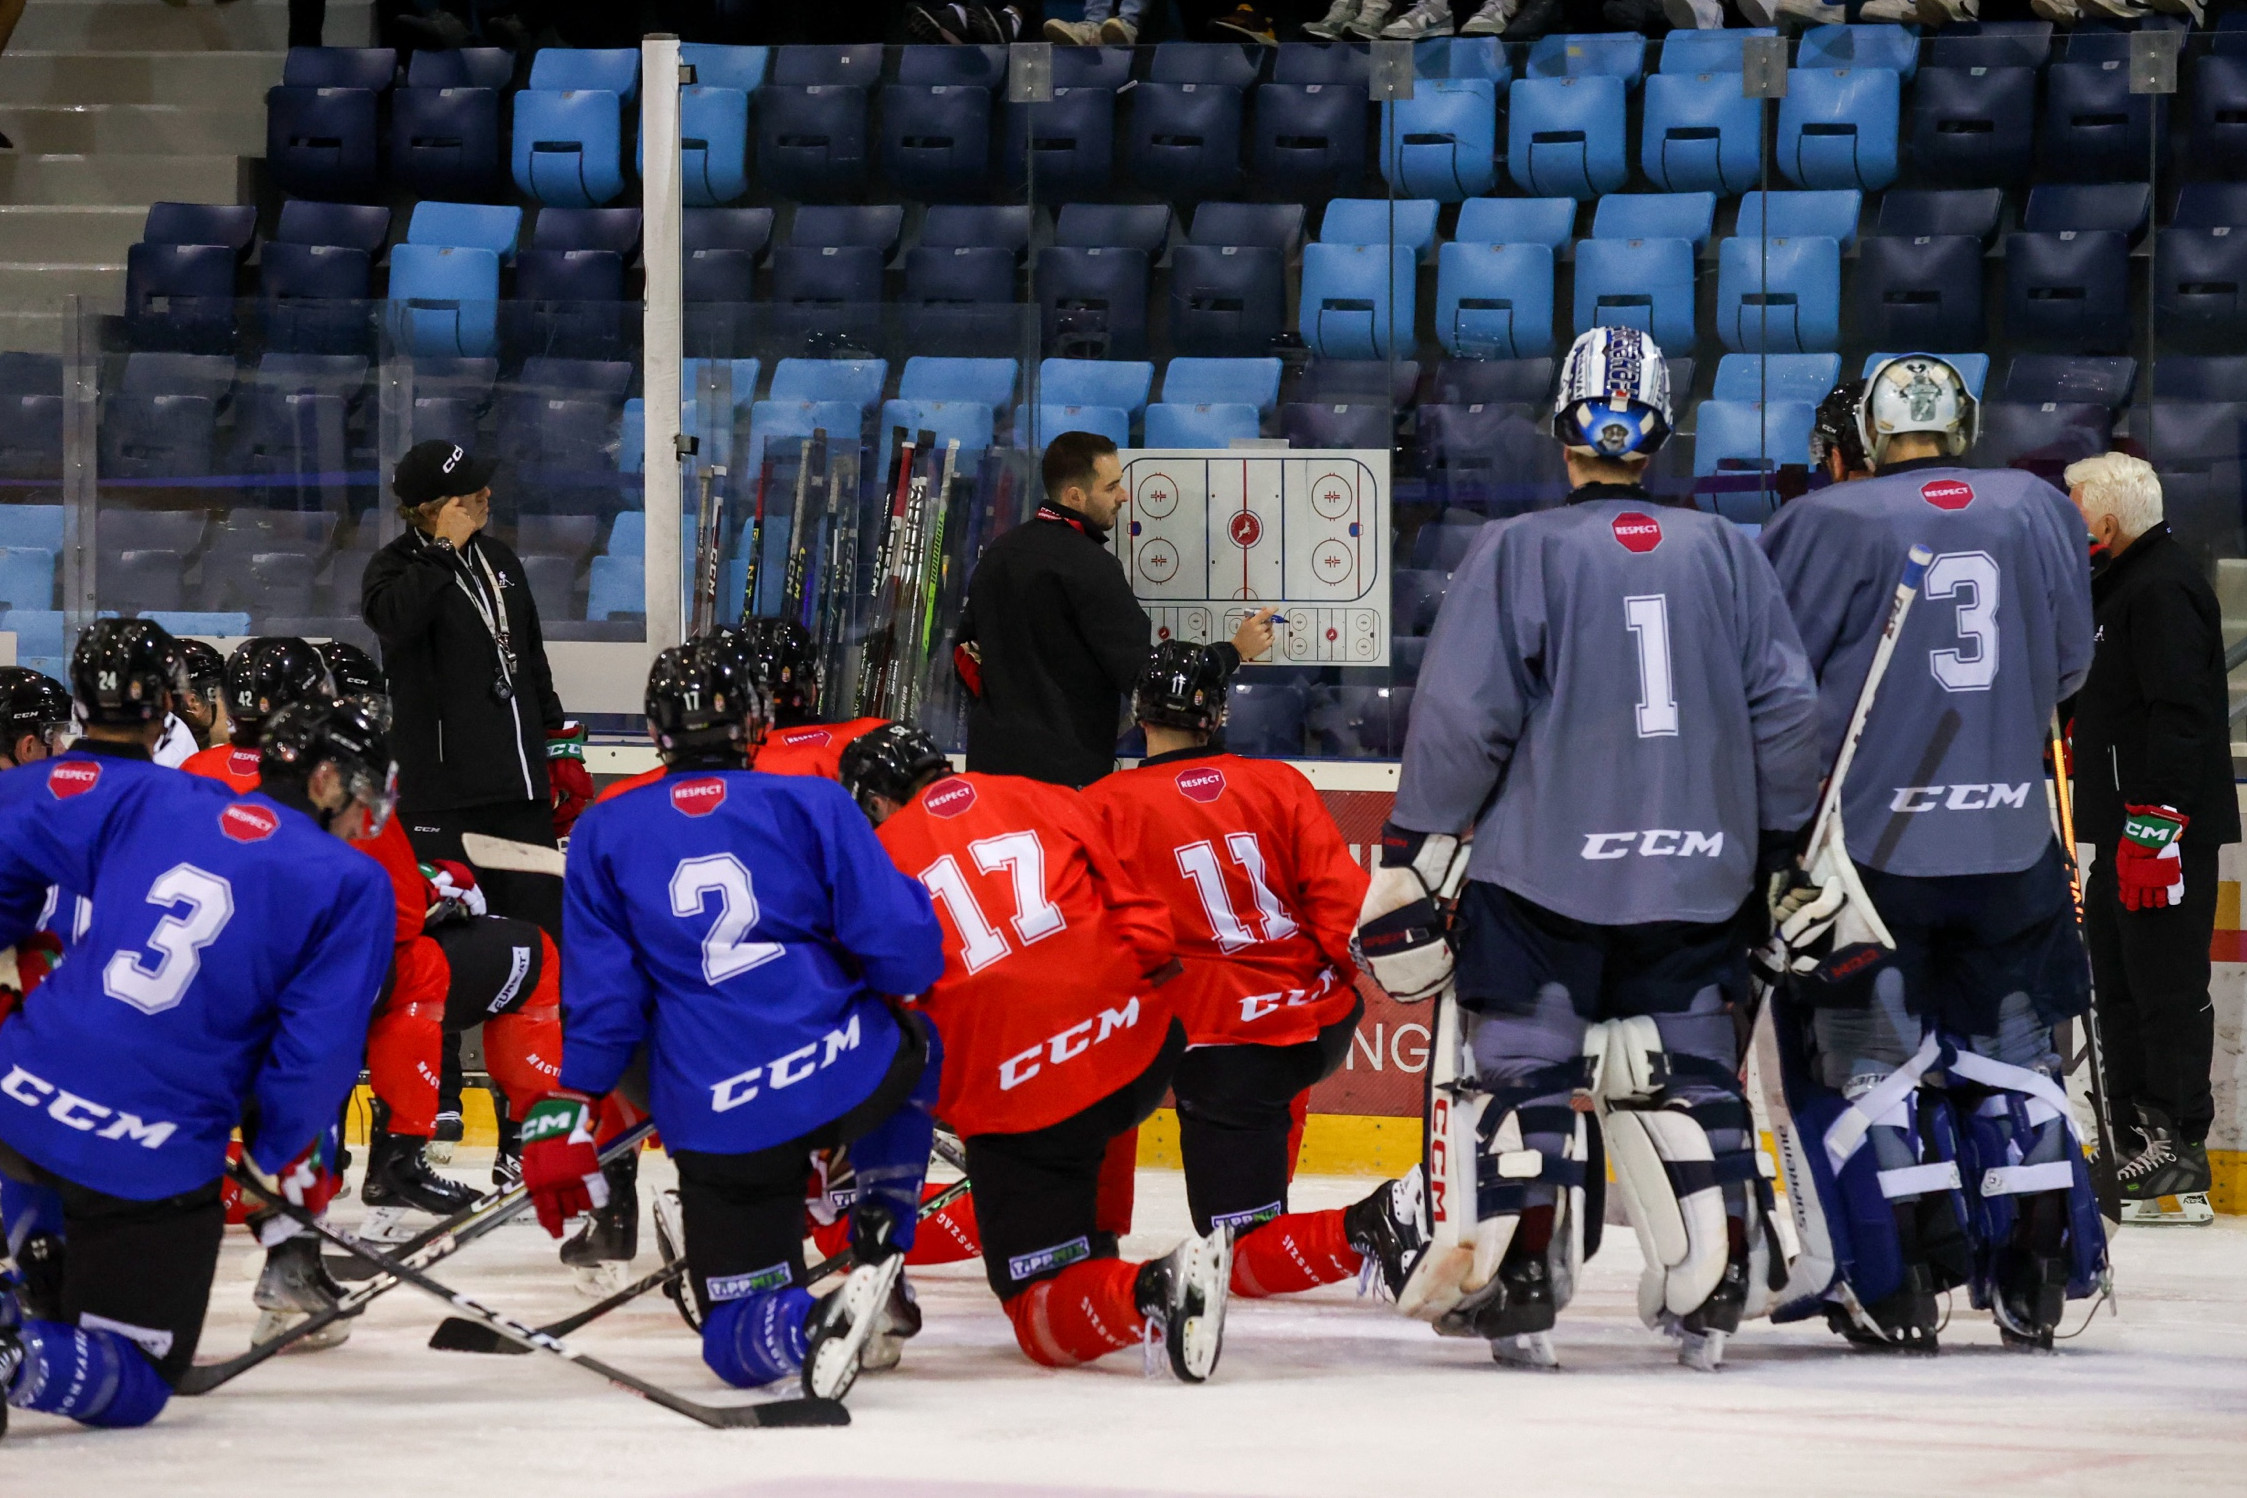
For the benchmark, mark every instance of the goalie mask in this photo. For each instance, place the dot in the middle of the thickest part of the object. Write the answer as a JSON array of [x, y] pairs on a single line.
[[1917, 393], [1614, 395]]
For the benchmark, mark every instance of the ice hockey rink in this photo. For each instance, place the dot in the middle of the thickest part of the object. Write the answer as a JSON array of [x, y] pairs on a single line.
[[1317, 1394]]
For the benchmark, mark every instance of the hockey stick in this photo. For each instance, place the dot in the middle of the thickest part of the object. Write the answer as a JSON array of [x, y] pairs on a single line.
[[703, 608], [799, 554], [783, 1412], [505, 854], [463, 1227], [756, 548], [2104, 1184], [873, 662]]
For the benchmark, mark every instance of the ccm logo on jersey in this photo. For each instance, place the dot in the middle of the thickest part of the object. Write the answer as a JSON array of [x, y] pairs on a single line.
[[949, 798], [1947, 494], [1959, 797], [787, 1071], [698, 798], [1257, 1005], [1067, 1046], [1637, 532], [84, 1114], [72, 778], [247, 824], [1658, 842], [1204, 785]]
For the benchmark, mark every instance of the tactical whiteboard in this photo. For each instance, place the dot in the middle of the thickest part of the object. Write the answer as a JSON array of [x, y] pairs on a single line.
[[1208, 536]]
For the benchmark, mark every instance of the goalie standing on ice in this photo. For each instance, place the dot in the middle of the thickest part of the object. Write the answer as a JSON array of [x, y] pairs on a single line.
[[1616, 703]]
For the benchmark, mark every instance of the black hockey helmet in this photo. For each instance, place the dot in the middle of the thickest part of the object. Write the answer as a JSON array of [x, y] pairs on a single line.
[[781, 650], [1834, 428], [705, 702], [353, 670], [268, 673], [126, 672], [1183, 686], [892, 761], [348, 733], [31, 702], [206, 668]]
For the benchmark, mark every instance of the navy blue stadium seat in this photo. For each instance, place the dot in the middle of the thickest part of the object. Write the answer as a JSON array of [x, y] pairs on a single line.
[[1837, 128], [1564, 136], [1068, 143], [1184, 139], [960, 226], [180, 296], [1322, 62], [2043, 437], [569, 300], [1991, 44], [1442, 143], [936, 140], [2093, 129], [156, 436], [811, 140], [314, 297], [2211, 205], [1637, 283], [1700, 133], [1778, 295], [462, 67], [1338, 380], [1091, 67], [1923, 292], [982, 66], [1495, 301], [829, 288], [444, 142], [1339, 424], [2123, 207], [1470, 382], [369, 68], [1497, 457], [871, 226], [358, 226], [2082, 379], [1123, 226], [1971, 128], [2219, 116], [1308, 139], [1271, 226], [616, 230], [2068, 290], [1962, 210], [1262, 717], [288, 434], [229, 224], [960, 298], [1206, 62], [2200, 377], [1357, 722], [1094, 301], [144, 579], [858, 65], [747, 230], [321, 142], [2200, 284], [1227, 300]]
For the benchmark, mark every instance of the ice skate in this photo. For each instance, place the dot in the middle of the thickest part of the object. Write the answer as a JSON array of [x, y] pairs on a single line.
[[1183, 1295], [1518, 1302], [1530, 1350], [2029, 1301], [1904, 1322], [898, 1323], [403, 1195], [1701, 1335], [1386, 1227], [671, 1243], [2166, 1182], [846, 1321], [292, 1288]]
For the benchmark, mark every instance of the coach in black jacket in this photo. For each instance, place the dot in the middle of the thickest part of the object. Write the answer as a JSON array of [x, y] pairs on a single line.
[[1051, 638], [474, 713], [2152, 746]]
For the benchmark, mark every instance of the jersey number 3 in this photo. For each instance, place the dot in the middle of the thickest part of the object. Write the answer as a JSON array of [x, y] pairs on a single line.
[[1971, 577], [178, 940]]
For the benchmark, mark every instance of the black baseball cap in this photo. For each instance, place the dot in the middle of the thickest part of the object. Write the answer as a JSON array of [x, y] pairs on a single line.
[[436, 470]]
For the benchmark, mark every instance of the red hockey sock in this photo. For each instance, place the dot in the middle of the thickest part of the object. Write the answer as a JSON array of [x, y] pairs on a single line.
[[1084, 1312], [947, 1234], [617, 1117], [1119, 1184], [402, 1051], [1299, 1251], [523, 1050]]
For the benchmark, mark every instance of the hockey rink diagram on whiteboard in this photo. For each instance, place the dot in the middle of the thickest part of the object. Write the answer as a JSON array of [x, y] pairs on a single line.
[[1208, 537]]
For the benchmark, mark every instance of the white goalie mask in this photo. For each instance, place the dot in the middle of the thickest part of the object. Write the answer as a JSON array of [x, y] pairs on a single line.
[[1918, 393], [1614, 395]]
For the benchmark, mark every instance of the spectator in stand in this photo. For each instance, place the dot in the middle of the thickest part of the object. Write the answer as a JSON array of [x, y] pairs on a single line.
[[479, 733]]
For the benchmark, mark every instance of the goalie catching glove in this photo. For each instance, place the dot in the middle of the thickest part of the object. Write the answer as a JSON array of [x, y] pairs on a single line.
[[1403, 933], [561, 1160]]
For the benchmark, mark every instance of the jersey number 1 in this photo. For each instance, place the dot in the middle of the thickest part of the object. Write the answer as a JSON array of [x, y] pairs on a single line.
[[1198, 862], [179, 940], [1648, 619], [1036, 917]]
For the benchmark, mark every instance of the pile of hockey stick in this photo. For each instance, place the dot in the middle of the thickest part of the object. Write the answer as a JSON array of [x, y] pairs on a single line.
[[889, 672]]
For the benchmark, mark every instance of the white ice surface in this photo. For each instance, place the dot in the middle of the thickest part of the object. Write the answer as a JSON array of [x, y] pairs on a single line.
[[1318, 1394]]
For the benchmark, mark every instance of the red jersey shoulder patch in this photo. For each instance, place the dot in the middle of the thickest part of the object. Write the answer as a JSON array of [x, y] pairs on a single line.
[[73, 777], [244, 762], [246, 823], [698, 797], [1947, 494], [1636, 531], [1203, 783], [949, 797]]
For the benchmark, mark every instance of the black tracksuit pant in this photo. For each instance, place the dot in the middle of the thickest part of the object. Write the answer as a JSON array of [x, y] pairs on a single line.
[[2156, 1023]]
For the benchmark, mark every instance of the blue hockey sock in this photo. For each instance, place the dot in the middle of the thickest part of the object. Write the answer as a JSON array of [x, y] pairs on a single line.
[[92, 1375], [891, 1161], [757, 1339], [26, 1209]]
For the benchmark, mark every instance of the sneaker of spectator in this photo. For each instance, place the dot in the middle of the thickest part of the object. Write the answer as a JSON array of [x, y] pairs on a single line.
[[1245, 24], [1073, 33], [941, 25], [1496, 15], [994, 25], [1335, 24], [1119, 32], [1426, 18], [1371, 17]]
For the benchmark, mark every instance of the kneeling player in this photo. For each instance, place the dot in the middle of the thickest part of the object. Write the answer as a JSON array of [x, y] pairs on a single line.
[[1263, 895], [231, 962], [1055, 1044], [744, 928]]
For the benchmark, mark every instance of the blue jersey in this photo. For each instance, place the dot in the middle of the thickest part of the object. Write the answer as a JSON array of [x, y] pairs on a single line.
[[745, 925], [227, 975]]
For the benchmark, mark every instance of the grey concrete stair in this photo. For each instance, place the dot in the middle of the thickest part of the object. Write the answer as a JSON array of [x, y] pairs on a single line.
[[146, 25], [190, 78], [48, 235], [131, 180], [42, 284], [137, 129]]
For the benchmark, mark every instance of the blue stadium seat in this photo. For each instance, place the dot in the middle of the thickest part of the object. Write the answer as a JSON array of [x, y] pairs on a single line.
[[1923, 292], [2189, 377], [1596, 54], [1114, 226], [370, 68], [361, 228], [2076, 379], [2043, 438], [1494, 301], [1778, 296], [628, 535], [321, 142], [1407, 222], [1465, 382], [748, 230], [1992, 44], [568, 299], [1973, 368], [156, 436], [2211, 205], [180, 295], [936, 140], [1344, 424], [218, 623], [473, 225], [1656, 215], [464, 67], [1803, 215], [713, 146], [871, 226], [1122, 383], [1357, 300], [1264, 717], [959, 275], [1251, 382], [1184, 139], [1452, 57], [444, 142], [782, 420], [829, 289], [2219, 115], [988, 381], [568, 146], [1973, 127], [1776, 377], [971, 422], [2121, 207], [1344, 380], [27, 578], [1564, 136], [1069, 143], [718, 275], [37, 525], [2200, 285], [1111, 422], [2092, 128], [1442, 143], [982, 66], [30, 453], [229, 224], [1837, 128], [315, 297], [1207, 424], [1004, 226], [858, 381], [1717, 50], [1545, 221], [1094, 300], [1092, 67], [1636, 283], [614, 70], [616, 230], [1227, 299], [1865, 46], [444, 299], [811, 140], [1308, 139], [1961, 210], [1226, 63], [616, 586], [1271, 226], [38, 635], [1700, 133], [714, 66], [858, 65], [1732, 436], [1324, 62]]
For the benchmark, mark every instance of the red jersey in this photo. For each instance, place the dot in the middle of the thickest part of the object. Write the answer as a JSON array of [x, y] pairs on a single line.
[[1043, 1007], [811, 748], [1262, 891], [235, 767], [616, 788]]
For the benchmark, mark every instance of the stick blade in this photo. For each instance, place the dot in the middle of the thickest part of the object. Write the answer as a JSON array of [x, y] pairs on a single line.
[[488, 852], [459, 1334], [201, 1378], [785, 1413]]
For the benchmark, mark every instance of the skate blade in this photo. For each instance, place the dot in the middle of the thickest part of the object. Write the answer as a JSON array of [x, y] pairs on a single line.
[[1531, 1350], [834, 1363], [271, 1324], [601, 1280], [2189, 1210], [1199, 1339], [393, 1224], [1700, 1351]]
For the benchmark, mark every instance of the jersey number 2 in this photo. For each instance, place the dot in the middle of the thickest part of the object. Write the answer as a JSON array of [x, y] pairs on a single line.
[[725, 951], [179, 940], [1198, 862], [1036, 917]]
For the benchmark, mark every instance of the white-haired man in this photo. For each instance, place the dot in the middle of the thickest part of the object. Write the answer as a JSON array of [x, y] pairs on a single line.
[[2154, 796]]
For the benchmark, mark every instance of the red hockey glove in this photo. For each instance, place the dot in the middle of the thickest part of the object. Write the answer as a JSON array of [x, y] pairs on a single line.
[[561, 1164], [453, 893], [566, 775], [967, 665], [309, 1181], [24, 966], [2148, 873]]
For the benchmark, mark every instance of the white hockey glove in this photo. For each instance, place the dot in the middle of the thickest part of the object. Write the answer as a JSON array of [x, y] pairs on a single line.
[[1402, 936], [1803, 912]]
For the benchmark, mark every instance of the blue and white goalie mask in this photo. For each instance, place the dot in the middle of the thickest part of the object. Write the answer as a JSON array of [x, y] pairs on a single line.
[[1918, 393], [1614, 395]]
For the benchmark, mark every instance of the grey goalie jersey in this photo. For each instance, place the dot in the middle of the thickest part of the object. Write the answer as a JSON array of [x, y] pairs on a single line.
[[1949, 777], [1627, 678]]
